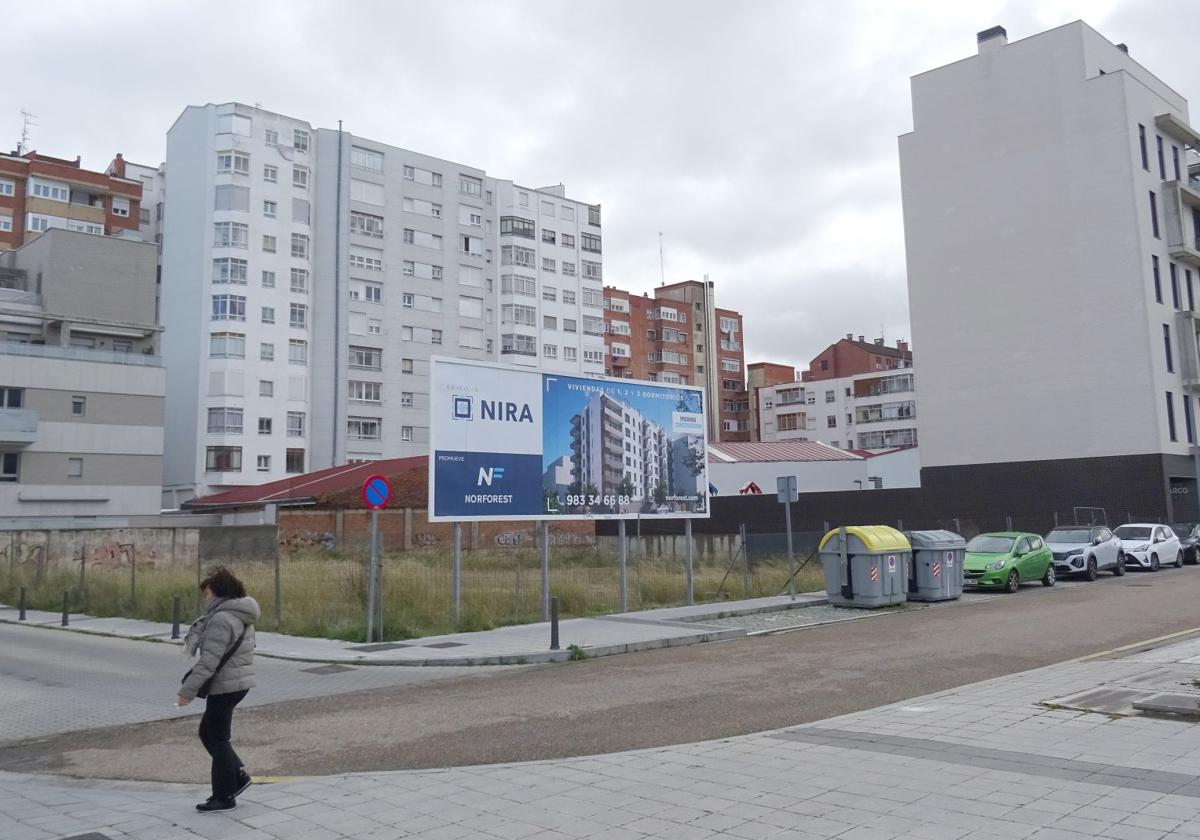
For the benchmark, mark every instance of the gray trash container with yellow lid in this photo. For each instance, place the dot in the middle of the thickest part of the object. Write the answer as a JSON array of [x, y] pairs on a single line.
[[937, 565], [865, 566]]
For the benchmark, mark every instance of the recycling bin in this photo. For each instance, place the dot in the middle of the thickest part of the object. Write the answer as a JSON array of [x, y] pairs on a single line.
[[865, 566], [937, 565]]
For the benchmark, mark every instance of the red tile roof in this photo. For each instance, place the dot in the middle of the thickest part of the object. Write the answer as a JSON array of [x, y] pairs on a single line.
[[784, 450], [336, 486]]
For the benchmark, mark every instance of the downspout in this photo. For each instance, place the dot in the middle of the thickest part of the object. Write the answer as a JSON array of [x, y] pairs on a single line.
[[337, 302]]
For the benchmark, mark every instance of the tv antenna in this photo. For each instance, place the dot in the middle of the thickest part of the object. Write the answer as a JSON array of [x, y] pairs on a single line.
[[662, 271], [26, 124]]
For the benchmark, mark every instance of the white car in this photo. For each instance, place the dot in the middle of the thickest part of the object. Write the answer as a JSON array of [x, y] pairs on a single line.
[[1149, 546], [1085, 550]]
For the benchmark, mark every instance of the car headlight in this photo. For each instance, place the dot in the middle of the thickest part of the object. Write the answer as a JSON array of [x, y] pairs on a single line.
[[1074, 556], [999, 564], [1142, 547]]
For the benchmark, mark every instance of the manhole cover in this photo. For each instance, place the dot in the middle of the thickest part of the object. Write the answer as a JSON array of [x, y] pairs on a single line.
[[327, 669], [447, 645], [380, 646]]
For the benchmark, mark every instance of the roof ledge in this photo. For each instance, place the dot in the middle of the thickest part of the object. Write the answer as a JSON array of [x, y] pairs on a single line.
[[1178, 129]]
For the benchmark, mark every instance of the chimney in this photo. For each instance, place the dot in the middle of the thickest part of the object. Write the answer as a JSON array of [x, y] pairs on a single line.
[[992, 39], [1123, 48], [118, 167], [849, 336], [902, 346], [879, 342], [862, 340]]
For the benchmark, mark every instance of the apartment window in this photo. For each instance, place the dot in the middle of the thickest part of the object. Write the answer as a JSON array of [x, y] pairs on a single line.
[[1142, 144], [272, 137], [1189, 427], [831, 421], [300, 177], [236, 162], [268, 244], [225, 421], [294, 460], [548, 235], [298, 316], [270, 173], [470, 307], [295, 424], [143, 216], [518, 284], [549, 293], [568, 296], [120, 206], [406, 366], [548, 264], [7, 187], [300, 246], [5, 224], [589, 242], [1191, 297], [592, 271], [223, 459], [435, 336], [10, 463], [516, 255], [265, 425], [549, 322], [593, 326], [373, 292], [472, 245], [468, 185], [1171, 416], [1162, 161], [299, 283], [569, 354], [227, 345], [299, 140], [266, 388], [594, 217], [732, 365], [1175, 164], [517, 344], [228, 308], [593, 357], [570, 325], [267, 315], [12, 397], [297, 352], [270, 209], [1174, 273], [729, 325], [364, 224], [367, 261], [1154, 214], [368, 159], [550, 351], [516, 226], [408, 300], [369, 392], [366, 358], [264, 463], [730, 385], [472, 339], [1157, 280], [231, 235], [516, 313], [78, 406], [362, 428], [1167, 347], [266, 351], [230, 270]]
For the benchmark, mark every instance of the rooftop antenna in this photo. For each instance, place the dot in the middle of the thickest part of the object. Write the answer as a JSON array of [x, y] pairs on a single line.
[[26, 124], [662, 271]]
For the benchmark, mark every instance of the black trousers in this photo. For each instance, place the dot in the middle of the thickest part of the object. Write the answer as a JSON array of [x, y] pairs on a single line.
[[216, 727]]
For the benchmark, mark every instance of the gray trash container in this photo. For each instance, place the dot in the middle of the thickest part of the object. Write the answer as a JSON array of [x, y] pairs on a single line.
[[937, 565], [865, 566]]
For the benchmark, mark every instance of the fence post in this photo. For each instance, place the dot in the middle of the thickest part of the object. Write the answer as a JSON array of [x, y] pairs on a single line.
[[132, 574], [1055, 519], [553, 624], [278, 593], [372, 556], [1008, 522], [687, 551], [787, 513], [175, 613], [545, 547], [623, 565], [456, 577], [83, 572], [21, 605], [66, 616], [745, 563]]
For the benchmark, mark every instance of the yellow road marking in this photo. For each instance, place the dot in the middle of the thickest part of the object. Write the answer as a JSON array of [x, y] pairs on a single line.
[[1143, 643]]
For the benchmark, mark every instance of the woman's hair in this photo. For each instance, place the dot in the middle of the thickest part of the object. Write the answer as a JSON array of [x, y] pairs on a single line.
[[223, 583]]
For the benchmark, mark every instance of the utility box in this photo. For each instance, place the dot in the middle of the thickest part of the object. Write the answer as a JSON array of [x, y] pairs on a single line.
[[937, 565], [866, 566]]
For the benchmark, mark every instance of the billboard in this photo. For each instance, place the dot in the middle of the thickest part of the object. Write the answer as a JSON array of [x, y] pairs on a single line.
[[507, 443]]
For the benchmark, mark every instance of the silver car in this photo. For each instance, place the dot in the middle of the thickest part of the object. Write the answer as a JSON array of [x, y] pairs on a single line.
[[1085, 550]]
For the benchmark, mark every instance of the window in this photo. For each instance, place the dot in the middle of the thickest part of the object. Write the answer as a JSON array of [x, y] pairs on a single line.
[[1162, 161], [1154, 214], [299, 283], [523, 199], [593, 325], [1157, 280], [732, 365], [7, 187], [517, 344], [295, 424], [228, 308], [468, 185], [374, 327], [271, 136], [300, 140], [10, 466], [223, 459], [548, 235], [549, 293], [435, 336], [593, 297], [268, 315], [231, 235], [406, 365], [472, 245], [1175, 163], [270, 209], [5, 224], [229, 270], [729, 325], [236, 162], [1174, 272], [589, 242], [1167, 347], [362, 428], [225, 421], [367, 159], [593, 357], [831, 421], [568, 268], [518, 284], [227, 345], [367, 260], [1189, 427], [470, 216], [366, 358], [592, 271], [1191, 297], [594, 216], [470, 307], [516, 313], [143, 216], [369, 392], [300, 177], [266, 388], [373, 292], [297, 352], [301, 211], [300, 246], [549, 322], [265, 425], [266, 351], [569, 354], [120, 206], [570, 325], [294, 459], [568, 296], [1171, 416], [264, 463], [516, 255], [268, 244], [730, 385], [548, 264], [78, 406], [1142, 144], [469, 338], [550, 351], [516, 226], [270, 173], [298, 316]]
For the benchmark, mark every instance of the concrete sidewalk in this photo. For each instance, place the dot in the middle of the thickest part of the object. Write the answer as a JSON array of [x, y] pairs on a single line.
[[517, 645]]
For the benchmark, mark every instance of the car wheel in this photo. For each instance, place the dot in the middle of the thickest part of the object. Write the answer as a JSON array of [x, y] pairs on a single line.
[[1013, 583], [1092, 572], [1051, 577], [1179, 560], [1120, 567], [1154, 567]]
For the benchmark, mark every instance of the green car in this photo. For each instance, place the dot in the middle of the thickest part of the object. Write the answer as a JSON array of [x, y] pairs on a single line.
[[1008, 559]]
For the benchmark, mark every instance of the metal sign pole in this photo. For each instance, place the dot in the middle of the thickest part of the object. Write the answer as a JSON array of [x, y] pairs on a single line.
[[623, 558], [456, 576], [371, 581], [687, 548], [545, 540], [787, 512]]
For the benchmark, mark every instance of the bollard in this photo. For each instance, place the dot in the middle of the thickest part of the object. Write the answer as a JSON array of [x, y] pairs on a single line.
[[66, 618], [21, 605], [175, 617], [553, 624]]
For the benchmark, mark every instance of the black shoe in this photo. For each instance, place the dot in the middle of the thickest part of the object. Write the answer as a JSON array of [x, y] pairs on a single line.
[[244, 781], [212, 805]]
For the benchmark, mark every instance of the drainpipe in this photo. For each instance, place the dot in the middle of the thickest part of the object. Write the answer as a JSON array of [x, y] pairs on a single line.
[[337, 302]]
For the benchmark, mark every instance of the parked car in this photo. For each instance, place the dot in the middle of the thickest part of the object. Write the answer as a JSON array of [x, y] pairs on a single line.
[[1189, 542], [1086, 550], [1008, 559], [1149, 546]]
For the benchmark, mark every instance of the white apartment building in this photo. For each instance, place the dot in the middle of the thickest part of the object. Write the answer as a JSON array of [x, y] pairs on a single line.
[[1051, 226], [611, 442], [309, 274], [872, 411]]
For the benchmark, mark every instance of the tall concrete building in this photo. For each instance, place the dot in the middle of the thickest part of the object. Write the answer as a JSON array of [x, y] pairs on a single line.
[[1050, 208], [81, 384], [309, 274]]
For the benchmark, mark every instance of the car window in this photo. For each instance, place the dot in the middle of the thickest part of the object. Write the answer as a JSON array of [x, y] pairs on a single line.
[[1035, 543], [1105, 535], [1022, 545], [1164, 533]]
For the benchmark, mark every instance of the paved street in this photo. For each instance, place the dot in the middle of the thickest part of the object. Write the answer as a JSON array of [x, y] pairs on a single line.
[[987, 761], [653, 698]]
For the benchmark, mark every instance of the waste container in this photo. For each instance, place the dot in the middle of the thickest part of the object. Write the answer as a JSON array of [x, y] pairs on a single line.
[[865, 566], [937, 565]]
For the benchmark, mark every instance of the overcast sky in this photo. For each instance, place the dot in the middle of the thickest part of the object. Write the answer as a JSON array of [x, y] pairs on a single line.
[[759, 137]]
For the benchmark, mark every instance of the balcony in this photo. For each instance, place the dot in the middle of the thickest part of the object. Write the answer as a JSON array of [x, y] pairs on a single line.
[[18, 426], [78, 354], [1181, 206]]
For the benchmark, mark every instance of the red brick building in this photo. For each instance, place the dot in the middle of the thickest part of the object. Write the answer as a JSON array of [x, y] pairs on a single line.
[[38, 192], [848, 357], [761, 375]]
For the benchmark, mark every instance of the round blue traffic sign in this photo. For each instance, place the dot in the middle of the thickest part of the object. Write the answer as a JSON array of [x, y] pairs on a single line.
[[376, 492]]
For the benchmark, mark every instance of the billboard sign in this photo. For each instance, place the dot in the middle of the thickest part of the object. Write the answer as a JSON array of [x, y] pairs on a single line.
[[507, 443]]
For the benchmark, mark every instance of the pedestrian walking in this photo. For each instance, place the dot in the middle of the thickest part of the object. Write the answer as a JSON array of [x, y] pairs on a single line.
[[222, 640]]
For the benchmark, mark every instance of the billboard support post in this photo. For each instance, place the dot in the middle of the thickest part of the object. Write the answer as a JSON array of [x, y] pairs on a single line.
[[687, 550], [456, 576], [545, 544], [623, 567], [787, 512], [373, 576]]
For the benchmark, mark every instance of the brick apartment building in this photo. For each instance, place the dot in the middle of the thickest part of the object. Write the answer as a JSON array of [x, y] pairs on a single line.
[[847, 357], [764, 375], [39, 192], [666, 338]]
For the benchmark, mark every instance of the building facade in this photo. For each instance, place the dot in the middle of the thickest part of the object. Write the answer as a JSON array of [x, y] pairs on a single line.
[[1051, 217], [81, 384], [39, 192], [681, 336], [312, 273], [760, 375], [848, 357]]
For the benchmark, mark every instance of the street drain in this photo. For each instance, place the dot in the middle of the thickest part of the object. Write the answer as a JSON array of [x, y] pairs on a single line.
[[327, 669], [382, 646], [447, 645]]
